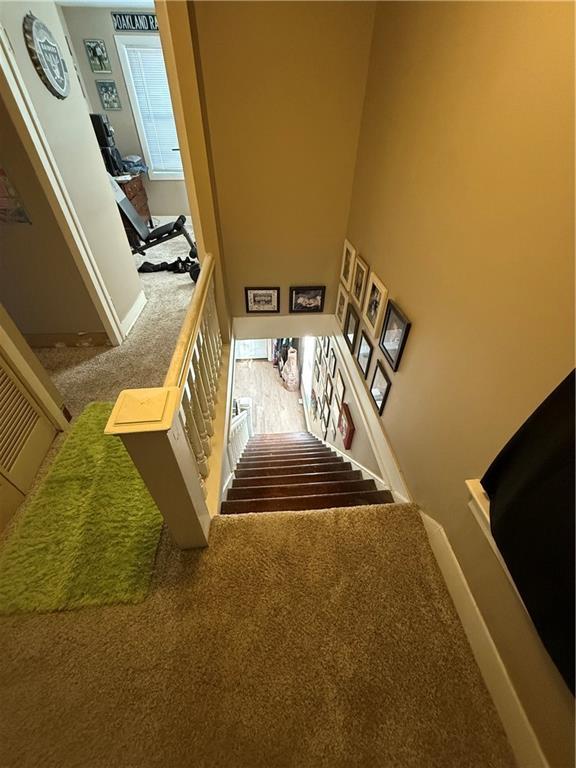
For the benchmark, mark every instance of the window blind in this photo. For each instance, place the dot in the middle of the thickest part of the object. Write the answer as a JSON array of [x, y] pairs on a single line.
[[155, 107]]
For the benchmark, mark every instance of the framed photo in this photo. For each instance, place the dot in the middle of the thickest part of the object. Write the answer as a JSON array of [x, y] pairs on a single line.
[[364, 354], [98, 56], [339, 390], [348, 256], [108, 95], [333, 428], [380, 387], [307, 298], [359, 280], [332, 363], [374, 304], [316, 371], [326, 345], [262, 300], [314, 405], [324, 431], [346, 426], [341, 304], [394, 334], [335, 410], [329, 390], [351, 327], [318, 351]]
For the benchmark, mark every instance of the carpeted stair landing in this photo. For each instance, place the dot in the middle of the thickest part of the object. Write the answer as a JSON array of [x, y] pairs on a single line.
[[301, 639]]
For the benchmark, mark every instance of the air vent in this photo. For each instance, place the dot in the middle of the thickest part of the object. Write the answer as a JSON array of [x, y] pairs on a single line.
[[18, 418]]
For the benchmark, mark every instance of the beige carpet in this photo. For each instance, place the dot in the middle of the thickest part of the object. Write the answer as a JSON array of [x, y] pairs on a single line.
[[310, 640]]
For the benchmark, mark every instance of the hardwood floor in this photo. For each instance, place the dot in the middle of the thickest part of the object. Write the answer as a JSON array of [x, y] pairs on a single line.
[[274, 408]]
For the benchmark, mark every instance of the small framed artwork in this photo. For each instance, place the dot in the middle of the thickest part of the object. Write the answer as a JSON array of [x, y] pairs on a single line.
[[351, 327], [364, 354], [346, 426], [314, 405], [318, 350], [380, 387], [335, 410], [262, 300], [329, 390], [316, 371], [348, 256], [339, 389], [307, 298], [341, 304], [333, 428], [326, 345], [108, 95], [359, 280], [326, 410], [98, 56], [394, 334], [374, 304], [332, 363]]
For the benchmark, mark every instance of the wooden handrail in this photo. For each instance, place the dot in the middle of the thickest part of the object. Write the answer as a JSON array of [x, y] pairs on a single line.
[[180, 361]]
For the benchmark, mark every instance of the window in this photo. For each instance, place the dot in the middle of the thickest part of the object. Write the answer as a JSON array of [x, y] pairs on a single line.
[[145, 74]]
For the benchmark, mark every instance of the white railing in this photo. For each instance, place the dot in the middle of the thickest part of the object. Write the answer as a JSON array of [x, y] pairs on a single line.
[[168, 430], [240, 433]]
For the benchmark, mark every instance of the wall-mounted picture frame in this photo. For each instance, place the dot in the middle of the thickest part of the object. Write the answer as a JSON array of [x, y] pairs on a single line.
[[339, 389], [262, 300], [359, 280], [364, 354], [108, 94], [98, 56], [332, 363], [333, 428], [351, 327], [341, 304], [318, 350], [348, 257], [314, 405], [329, 389], [316, 371], [335, 410], [394, 334], [380, 387], [326, 345], [346, 426], [374, 304], [307, 298], [325, 411], [324, 431]]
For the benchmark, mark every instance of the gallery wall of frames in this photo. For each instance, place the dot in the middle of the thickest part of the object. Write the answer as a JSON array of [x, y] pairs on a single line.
[[374, 326]]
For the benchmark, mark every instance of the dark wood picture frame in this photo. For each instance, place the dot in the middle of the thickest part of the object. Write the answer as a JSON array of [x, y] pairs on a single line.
[[326, 345], [364, 339], [332, 363], [249, 311], [346, 426], [380, 370], [351, 313], [396, 326], [320, 290]]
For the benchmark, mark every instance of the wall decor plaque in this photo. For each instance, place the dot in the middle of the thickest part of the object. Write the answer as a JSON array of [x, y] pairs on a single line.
[[134, 22], [46, 57]]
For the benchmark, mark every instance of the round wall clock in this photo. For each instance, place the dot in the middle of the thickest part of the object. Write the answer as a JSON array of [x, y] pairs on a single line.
[[46, 57]]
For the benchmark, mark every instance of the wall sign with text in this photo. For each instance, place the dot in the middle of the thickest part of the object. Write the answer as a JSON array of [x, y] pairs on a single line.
[[134, 22]]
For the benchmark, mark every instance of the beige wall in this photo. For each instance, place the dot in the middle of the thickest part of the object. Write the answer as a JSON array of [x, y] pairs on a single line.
[[69, 133], [463, 203], [40, 285], [284, 86], [165, 197]]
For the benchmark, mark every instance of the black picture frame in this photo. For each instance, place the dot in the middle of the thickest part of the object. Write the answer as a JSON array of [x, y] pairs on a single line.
[[364, 364], [351, 331], [339, 389], [376, 386], [307, 298], [332, 363], [394, 334], [329, 389], [326, 345], [248, 296]]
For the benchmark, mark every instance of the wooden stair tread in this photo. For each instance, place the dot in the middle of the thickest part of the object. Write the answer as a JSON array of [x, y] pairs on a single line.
[[304, 478], [284, 470], [321, 501], [288, 462], [306, 489], [284, 452]]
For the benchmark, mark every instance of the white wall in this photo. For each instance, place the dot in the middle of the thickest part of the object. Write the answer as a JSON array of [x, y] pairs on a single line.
[[69, 133]]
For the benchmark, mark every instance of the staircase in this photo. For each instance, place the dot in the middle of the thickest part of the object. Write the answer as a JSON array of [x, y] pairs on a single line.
[[295, 470]]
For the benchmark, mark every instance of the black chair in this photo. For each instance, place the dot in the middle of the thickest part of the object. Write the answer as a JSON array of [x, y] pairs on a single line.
[[148, 238]]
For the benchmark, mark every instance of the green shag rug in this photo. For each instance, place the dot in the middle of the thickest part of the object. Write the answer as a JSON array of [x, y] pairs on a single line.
[[88, 536]]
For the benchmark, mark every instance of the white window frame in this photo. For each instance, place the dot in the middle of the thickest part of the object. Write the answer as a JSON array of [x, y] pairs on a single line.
[[142, 41]]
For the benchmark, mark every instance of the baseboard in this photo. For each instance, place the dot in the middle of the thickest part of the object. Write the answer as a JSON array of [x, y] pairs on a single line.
[[84, 339], [521, 736], [133, 313]]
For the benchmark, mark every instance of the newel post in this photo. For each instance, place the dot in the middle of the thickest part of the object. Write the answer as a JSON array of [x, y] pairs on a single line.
[[148, 422]]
